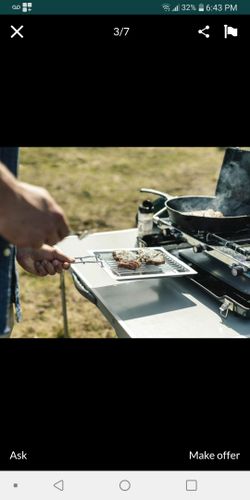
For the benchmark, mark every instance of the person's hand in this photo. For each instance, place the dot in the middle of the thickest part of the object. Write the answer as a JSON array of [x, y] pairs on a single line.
[[43, 261], [29, 216]]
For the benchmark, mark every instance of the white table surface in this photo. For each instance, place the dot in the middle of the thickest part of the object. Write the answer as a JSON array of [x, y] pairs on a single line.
[[153, 308]]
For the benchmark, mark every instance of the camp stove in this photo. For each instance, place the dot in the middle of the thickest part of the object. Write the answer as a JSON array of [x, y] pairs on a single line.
[[222, 263], [217, 248]]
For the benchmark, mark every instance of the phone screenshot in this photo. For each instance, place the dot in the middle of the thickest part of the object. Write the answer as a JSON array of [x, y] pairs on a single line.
[[124, 250]]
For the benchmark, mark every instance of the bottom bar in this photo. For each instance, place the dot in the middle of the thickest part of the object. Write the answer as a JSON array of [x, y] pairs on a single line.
[[127, 485]]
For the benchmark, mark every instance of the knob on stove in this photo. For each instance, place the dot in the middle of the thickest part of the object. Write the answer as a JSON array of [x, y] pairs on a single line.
[[198, 248], [237, 270]]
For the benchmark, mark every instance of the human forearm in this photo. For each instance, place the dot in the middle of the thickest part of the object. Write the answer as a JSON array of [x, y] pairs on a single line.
[[29, 216], [9, 188]]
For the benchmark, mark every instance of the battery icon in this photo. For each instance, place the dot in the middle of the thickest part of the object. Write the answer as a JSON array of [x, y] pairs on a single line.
[[201, 7]]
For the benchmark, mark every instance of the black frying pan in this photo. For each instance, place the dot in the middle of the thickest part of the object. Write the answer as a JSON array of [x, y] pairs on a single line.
[[177, 206]]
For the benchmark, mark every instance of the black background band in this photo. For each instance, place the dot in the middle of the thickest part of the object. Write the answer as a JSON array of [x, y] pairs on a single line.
[[70, 81], [123, 404]]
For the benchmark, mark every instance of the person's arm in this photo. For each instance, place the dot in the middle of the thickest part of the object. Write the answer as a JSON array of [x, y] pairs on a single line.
[[29, 216], [8, 185]]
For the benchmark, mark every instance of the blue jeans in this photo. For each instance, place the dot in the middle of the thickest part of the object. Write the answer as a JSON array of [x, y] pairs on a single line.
[[9, 289]]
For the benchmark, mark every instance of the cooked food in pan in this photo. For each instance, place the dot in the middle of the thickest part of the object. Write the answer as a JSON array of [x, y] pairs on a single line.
[[206, 213], [133, 260]]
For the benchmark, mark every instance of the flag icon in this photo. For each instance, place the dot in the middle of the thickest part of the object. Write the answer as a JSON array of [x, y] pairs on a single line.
[[229, 30]]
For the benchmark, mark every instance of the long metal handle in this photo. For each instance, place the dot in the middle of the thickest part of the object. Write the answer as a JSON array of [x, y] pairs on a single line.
[[85, 259], [155, 191]]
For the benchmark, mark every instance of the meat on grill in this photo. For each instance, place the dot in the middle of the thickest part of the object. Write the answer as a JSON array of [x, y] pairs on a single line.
[[134, 260], [129, 264], [206, 213], [126, 259], [153, 257], [123, 255]]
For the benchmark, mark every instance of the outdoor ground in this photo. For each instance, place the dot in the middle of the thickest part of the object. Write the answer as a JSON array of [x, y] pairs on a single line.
[[98, 189]]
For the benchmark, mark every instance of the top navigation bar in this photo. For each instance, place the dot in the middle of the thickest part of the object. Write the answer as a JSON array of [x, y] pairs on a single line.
[[123, 7]]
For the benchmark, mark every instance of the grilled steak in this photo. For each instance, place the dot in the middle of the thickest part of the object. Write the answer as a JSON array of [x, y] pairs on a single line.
[[127, 259], [133, 260], [153, 257], [129, 264], [124, 255]]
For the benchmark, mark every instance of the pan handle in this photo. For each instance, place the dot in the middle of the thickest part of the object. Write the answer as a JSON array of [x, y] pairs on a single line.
[[154, 191]]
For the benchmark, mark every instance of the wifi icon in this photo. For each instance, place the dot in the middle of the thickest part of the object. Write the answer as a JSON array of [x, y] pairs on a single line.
[[166, 7]]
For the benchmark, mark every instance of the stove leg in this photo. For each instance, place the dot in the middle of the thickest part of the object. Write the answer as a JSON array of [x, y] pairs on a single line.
[[64, 306]]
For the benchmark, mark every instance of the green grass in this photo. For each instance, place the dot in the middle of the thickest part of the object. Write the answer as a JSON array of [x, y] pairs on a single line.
[[98, 188]]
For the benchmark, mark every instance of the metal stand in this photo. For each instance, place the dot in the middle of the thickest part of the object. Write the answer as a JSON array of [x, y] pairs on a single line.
[[64, 306]]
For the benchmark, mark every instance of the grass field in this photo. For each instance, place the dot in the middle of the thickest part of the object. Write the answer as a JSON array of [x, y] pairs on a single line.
[[98, 188]]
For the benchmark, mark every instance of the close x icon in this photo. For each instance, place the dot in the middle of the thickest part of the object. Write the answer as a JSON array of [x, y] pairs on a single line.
[[16, 32]]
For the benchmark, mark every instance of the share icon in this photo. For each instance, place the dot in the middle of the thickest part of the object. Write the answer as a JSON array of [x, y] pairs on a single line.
[[202, 31]]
